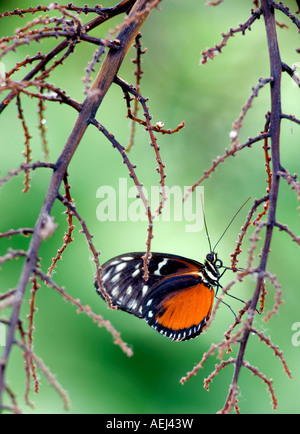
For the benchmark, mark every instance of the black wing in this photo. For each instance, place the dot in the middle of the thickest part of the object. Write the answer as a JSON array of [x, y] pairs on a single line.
[[123, 280]]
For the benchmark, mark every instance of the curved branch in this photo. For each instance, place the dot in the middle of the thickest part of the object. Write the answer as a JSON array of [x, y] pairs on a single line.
[[275, 122], [104, 79], [107, 13]]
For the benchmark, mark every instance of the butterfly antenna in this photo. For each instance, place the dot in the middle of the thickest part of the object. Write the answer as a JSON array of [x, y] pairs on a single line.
[[205, 225], [230, 222]]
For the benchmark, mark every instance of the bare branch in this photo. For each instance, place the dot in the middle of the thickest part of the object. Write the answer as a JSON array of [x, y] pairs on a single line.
[[210, 53], [48, 374], [285, 10], [87, 310]]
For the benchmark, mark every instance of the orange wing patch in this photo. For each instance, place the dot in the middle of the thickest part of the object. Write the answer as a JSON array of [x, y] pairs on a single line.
[[186, 308]]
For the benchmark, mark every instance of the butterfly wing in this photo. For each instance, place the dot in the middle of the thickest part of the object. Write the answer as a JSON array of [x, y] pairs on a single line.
[[178, 306], [123, 280]]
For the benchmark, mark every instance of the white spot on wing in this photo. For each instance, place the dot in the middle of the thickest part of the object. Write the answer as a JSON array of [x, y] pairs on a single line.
[[134, 305], [115, 278], [106, 275], [157, 272], [135, 273], [115, 291], [130, 303], [120, 267], [144, 290], [115, 262]]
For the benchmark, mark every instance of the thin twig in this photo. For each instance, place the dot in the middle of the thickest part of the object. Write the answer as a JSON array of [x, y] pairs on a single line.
[[48, 374], [210, 53], [87, 310], [136, 18]]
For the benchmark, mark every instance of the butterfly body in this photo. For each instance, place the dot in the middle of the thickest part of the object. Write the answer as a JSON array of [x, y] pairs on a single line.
[[177, 298]]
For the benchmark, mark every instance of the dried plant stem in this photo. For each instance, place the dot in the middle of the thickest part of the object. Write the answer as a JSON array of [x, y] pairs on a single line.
[[68, 235], [122, 7], [87, 310], [48, 374], [160, 169], [35, 86], [103, 81], [275, 122], [210, 53]]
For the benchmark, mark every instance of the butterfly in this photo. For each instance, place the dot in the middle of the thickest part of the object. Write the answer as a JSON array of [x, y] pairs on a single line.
[[177, 298]]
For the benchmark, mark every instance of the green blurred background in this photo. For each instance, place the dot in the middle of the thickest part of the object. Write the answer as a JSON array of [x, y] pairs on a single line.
[[97, 375]]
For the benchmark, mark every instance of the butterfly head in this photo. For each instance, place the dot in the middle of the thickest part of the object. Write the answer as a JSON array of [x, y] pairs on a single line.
[[212, 267]]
